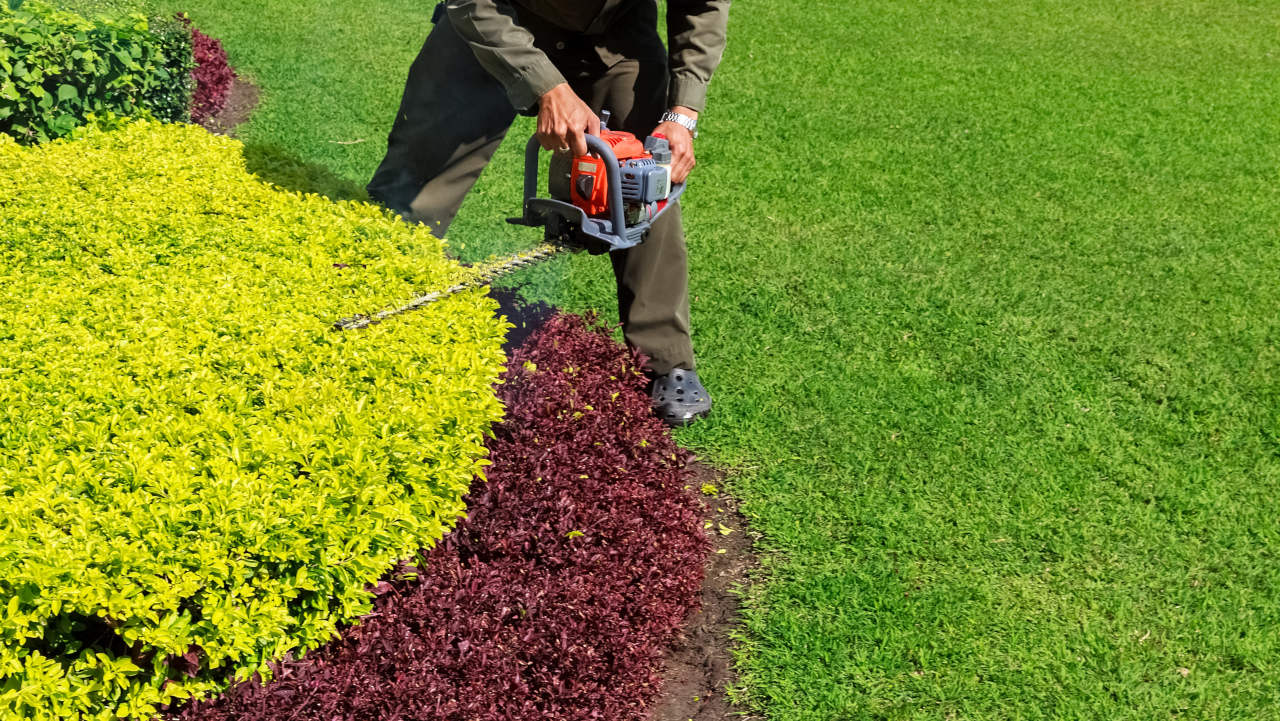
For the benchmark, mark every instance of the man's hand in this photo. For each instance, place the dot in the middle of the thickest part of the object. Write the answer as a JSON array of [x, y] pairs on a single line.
[[681, 141], [563, 119]]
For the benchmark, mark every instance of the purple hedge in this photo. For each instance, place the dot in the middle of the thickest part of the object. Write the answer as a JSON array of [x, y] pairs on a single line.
[[213, 75], [582, 555]]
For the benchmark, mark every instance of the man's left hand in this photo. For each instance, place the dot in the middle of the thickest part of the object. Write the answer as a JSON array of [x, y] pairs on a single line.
[[681, 140]]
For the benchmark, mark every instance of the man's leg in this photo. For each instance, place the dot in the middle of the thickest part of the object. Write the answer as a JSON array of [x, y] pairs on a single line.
[[452, 117], [653, 277]]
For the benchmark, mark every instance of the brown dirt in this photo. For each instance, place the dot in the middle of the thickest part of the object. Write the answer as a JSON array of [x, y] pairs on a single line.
[[241, 101], [699, 666]]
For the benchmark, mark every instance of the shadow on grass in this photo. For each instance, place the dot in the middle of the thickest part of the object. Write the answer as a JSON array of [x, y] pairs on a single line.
[[527, 316], [276, 165]]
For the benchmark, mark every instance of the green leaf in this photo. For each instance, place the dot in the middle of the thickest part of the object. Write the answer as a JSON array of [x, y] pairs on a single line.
[[67, 92], [63, 124]]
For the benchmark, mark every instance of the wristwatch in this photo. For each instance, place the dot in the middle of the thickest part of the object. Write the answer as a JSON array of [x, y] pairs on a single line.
[[681, 119]]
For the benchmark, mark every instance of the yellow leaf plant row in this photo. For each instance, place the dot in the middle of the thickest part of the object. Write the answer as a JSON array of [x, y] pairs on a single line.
[[197, 473]]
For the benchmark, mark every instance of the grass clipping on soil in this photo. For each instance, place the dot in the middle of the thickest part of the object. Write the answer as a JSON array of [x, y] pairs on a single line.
[[197, 474]]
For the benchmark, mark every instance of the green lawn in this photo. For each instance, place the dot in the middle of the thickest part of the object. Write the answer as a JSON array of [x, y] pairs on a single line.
[[988, 294]]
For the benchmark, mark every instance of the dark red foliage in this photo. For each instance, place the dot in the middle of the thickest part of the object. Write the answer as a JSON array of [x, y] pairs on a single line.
[[213, 75], [581, 557]]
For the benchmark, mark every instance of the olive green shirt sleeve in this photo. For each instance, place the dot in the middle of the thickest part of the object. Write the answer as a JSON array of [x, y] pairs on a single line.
[[504, 49], [695, 38]]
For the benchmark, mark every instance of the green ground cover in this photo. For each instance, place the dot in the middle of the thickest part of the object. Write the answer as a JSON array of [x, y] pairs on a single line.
[[986, 294]]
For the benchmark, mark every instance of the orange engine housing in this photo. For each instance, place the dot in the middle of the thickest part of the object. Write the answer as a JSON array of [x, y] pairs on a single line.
[[589, 183]]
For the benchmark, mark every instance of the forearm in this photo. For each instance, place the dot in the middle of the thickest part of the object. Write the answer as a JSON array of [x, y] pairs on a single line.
[[696, 31], [504, 49]]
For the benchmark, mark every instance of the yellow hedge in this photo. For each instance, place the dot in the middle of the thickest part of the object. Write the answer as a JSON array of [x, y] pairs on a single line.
[[197, 474]]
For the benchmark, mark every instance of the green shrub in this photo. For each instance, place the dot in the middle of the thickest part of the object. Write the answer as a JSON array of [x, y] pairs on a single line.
[[171, 101], [57, 67], [198, 474]]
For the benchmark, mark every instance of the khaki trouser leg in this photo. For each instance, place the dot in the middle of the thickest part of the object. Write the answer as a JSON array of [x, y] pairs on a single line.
[[653, 277], [452, 117]]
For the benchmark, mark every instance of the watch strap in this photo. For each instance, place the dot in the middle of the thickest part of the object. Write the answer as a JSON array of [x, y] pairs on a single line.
[[683, 120]]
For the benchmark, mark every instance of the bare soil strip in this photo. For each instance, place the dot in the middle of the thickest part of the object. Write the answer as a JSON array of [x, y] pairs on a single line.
[[698, 668], [241, 101]]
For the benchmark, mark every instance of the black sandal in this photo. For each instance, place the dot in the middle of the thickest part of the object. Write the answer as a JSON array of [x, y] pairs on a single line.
[[679, 398]]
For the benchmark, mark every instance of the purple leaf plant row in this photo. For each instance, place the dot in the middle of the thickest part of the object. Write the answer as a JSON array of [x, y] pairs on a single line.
[[581, 557], [212, 74]]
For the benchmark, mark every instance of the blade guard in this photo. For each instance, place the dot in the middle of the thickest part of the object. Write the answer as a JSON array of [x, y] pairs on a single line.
[[567, 224]]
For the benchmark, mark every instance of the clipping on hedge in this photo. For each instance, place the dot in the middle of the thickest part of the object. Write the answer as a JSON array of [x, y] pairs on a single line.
[[198, 474]]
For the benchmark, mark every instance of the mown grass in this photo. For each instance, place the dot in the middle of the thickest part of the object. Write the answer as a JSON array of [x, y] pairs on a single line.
[[987, 297]]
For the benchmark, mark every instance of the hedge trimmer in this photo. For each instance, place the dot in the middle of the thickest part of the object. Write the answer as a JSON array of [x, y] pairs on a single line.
[[604, 201]]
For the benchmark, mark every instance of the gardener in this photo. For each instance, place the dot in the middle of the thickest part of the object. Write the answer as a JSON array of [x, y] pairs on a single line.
[[565, 61]]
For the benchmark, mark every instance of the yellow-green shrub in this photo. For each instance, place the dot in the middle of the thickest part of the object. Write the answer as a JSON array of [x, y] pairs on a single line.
[[191, 461]]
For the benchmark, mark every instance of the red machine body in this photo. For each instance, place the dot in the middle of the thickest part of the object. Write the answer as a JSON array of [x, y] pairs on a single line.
[[644, 169], [589, 182], [604, 200]]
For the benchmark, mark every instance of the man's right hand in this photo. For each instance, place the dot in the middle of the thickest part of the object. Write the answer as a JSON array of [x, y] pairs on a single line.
[[563, 119]]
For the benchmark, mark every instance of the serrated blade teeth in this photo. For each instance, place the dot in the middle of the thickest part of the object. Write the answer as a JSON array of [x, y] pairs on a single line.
[[484, 277]]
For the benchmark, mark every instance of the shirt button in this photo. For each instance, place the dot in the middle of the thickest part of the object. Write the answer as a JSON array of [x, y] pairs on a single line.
[[560, 45]]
